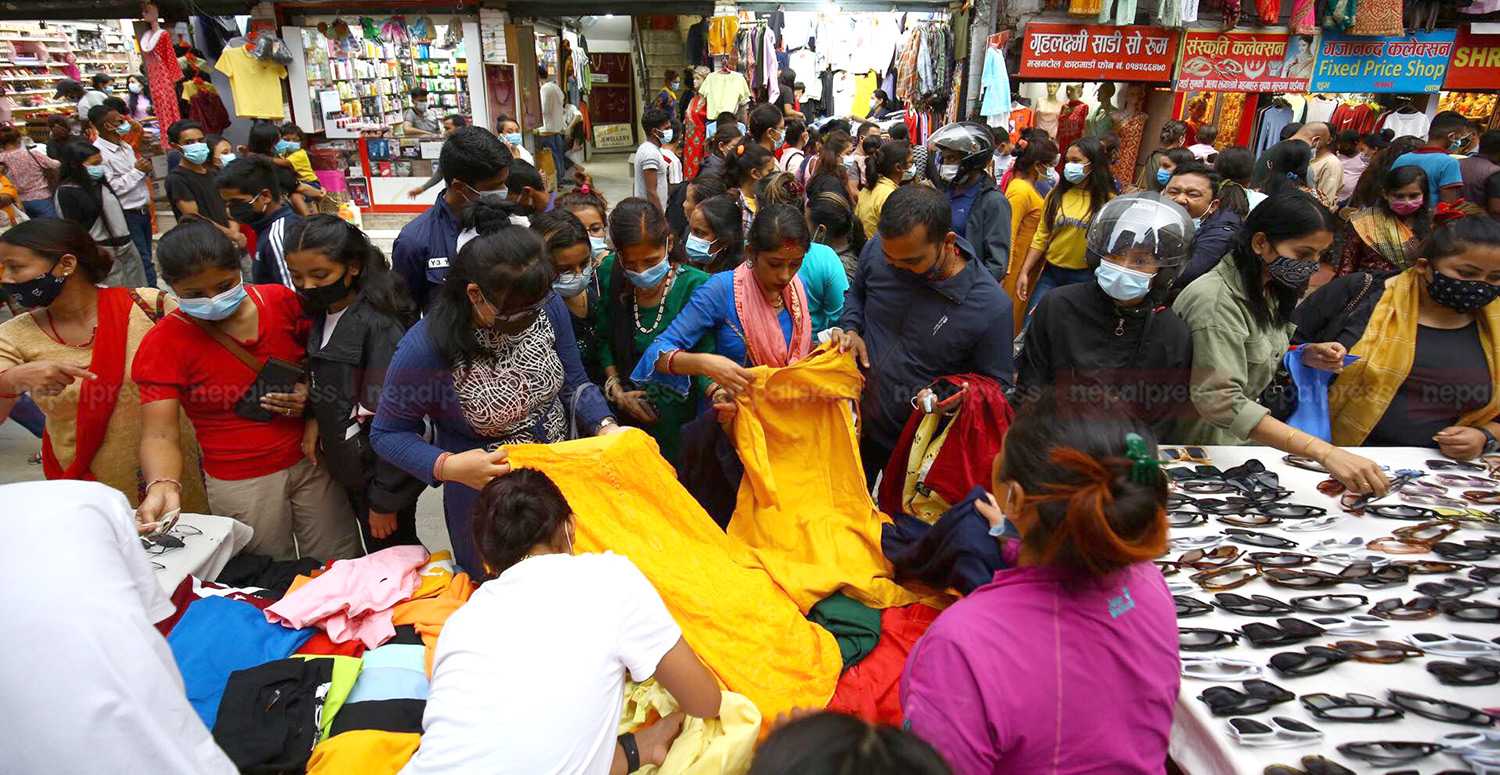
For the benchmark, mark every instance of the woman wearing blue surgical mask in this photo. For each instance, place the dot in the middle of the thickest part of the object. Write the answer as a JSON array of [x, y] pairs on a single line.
[[715, 235], [84, 197], [1105, 342], [197, 361], [510, 134], [577, 280], [1168, 163], [644, 286], [1058, 249]]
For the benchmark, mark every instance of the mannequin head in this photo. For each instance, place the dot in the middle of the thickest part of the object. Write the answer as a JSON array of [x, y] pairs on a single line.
[[1075, 91], [1052, 91], [1106, 93]]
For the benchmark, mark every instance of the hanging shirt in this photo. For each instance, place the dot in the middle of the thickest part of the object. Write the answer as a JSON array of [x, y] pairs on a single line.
[[255, 83], [996, 84], [1407, 124], [725, 92]]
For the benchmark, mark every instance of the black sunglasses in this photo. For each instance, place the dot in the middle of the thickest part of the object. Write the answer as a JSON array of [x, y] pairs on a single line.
[[1309, 661], [1291, 510], [1449, 589], [1257, 697], [1252, 538], [1475, 671], [1455, 465], [1287, 631], [1400, 610], [1439, 710], [1302, 578], [1311, 765], [1328, 604], [1248, 519], [1472, 611], [1188, 607], [1355, 708], [1254, 605], [1179, 518], [1203, 639], [1468, 551], [1401, 511], [1489, 576], [1386, 753], [1264, 560]]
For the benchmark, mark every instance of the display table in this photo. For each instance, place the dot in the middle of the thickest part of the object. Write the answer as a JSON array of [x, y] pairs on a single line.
[[1201, 743], [203, 555]]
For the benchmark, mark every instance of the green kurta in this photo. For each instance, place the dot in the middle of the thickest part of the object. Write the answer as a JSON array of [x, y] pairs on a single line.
[[672, 411]]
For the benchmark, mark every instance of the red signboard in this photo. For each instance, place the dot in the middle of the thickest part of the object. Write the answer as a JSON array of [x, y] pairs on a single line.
[[1097, 52], [1475, 63], [1246, 61]]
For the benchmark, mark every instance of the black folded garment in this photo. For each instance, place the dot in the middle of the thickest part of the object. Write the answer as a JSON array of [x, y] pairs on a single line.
[[268, 719], [384, 715], [255, 570], [956, 551]]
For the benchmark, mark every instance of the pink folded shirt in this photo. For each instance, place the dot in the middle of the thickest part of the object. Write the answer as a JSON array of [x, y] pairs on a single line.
[[353, 599]]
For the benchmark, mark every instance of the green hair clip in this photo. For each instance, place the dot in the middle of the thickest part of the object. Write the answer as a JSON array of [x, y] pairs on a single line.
[[1144, 467]]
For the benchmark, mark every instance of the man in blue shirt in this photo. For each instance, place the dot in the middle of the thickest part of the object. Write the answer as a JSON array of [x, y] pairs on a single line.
[[251, 195], [1448, 132], [474, 163], [981, 213], [922, 306]]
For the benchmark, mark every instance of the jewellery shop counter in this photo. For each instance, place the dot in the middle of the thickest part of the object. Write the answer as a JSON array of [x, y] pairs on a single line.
[[1202, 743]]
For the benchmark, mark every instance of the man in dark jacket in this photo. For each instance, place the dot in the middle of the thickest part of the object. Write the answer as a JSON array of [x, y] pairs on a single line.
[[981, 213], [1193, 186], [252, 195]]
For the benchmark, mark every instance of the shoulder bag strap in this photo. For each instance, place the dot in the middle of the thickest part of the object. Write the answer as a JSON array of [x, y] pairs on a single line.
[[153, 314], [225, 341]]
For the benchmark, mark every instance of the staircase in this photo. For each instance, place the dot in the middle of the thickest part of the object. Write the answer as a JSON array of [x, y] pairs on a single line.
[[663, 51]]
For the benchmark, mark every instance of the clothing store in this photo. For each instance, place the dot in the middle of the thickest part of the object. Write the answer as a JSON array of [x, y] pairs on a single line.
[[1248, 84], [1474, 76]]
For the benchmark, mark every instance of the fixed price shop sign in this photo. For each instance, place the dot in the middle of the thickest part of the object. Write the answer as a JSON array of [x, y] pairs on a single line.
[[1410, 64], [1097, 52]]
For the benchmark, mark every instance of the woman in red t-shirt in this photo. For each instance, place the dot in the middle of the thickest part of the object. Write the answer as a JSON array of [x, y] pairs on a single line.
[[255, 471]]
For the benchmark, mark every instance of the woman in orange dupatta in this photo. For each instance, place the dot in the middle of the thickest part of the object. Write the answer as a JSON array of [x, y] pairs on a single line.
[[69, 353]]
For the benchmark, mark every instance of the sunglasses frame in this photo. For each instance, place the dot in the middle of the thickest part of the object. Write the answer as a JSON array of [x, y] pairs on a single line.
[[1208, 579], [1412, 702], [1304, 604], [1363, 751], [1455, 465], [1322, 706], [1381, 652], [1254, 605], [1241, 535], [1397, 610], [1295, 664]]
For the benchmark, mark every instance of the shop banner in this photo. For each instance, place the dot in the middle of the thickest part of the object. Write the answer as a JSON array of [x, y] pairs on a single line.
[[1410, 64], [1245, 61], [1475, 63], [1097, 52]]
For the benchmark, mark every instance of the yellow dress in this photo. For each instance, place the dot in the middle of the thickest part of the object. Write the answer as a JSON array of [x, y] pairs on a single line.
[[1026, 207], [626, 499], [803, 507]]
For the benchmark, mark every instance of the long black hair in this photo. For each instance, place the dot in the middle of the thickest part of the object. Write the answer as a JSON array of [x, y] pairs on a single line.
[[887, 160], [831, 213], [54, 238], [505, 261], [1286, 160], [345, 244], [72, 169], [722, 213], [1235, 165], [1286, 214], [828, 743], [1099, 183], [635, 221], [742, 159]]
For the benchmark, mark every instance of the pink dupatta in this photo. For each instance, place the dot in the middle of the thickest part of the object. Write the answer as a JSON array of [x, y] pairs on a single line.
[[763, 338]]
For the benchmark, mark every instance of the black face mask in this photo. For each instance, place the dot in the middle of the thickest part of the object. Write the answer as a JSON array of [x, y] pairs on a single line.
[[243, 211], [37, 292], [317, 300], [1461, 295]]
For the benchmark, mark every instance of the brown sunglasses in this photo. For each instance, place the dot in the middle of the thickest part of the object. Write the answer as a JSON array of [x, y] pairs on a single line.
[[1427, 533], [1482, 497], [1226, 578], [1217, 557], [1393, 545], [1381, 652]]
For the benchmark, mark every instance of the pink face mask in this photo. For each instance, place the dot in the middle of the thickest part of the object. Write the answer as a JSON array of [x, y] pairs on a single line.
[[1407, 207]]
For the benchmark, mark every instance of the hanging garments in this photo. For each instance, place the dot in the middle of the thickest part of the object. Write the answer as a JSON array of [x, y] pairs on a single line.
[[813, 528], [627, 499], [162, 74], [1304, 21]]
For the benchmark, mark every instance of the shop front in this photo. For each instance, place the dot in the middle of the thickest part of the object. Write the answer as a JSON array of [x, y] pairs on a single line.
[[1247, 83], [1473, 79], [1380, 83], [352, 80]]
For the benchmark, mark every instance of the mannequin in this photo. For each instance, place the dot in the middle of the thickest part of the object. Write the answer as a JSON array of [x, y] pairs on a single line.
[[1072, 118], [162, 70], [1130, 123], [1047, 109], [1103, 121]]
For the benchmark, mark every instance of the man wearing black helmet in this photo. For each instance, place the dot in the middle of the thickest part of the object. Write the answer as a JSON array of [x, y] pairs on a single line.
[[959, 158], [1105, 342]]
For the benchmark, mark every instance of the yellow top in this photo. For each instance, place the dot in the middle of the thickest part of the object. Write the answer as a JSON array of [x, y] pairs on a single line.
[[870, 203], [1025, 213], [255, 83], [303, 166], [1067, 232]]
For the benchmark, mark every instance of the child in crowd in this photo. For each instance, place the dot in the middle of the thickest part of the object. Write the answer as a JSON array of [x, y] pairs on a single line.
[[290, 148]]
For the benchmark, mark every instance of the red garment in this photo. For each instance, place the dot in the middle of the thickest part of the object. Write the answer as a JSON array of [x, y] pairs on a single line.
[[191, 590], [178, 360], [968, 453], [871, 690], [1269, 11], [695, 135], [208, 109], [96, 397], [162, 74], [1070, 124], [321, 645]]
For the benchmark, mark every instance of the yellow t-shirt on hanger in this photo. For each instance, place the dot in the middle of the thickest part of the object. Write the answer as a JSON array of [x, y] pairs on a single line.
[[254, 83], [864, 88]]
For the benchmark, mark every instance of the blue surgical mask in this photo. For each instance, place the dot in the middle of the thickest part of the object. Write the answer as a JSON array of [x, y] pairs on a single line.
[[666, 135], [514, 138], [598, 245], [699, 250], [197, 153], [285, 147], [1120, 283], [1162, 177], [215, 307], [651, 277], [573, 283], [1075, 171], [226, 158], [96, 171]]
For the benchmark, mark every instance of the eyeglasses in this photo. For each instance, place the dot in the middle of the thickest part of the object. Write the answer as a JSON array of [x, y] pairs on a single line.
[[1449, 589], [1188, 607], [1384, 753], [1453, 645], [1257, 697], [1285, 632], [1381, 652], [1310, 661], [1311, 765], [1249, 520], [1472, 611], [1282, 731], [1468, 551], [1184, 455], [1475, 671], [1252, 538], [1464, 480], [1353, 624], [1330, 546], [1482, 497], [1400, 610], [1218, 668], [1400, 511], [1203, 639], [1226, 578], [1328, 604], [1264, 560], [1435, 500], [1454, 465], [1303, 578], [1372, 576], [1356, 708], [1254, 605], [1426, 532], [1184, 543], [1305, 463], [1205, 559], [1439, 710], [1312, 524], [1393, 545], [1428, 567], [1177, 518], [1292, 510]]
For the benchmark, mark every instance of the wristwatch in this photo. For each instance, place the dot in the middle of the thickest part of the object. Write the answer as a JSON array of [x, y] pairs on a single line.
[[1491, 444]]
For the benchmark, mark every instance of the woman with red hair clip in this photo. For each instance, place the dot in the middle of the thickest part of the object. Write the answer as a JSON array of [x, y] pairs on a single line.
[[1028, 673]]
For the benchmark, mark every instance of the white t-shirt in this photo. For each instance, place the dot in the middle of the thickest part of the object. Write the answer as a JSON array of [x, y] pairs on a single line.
[[529, 676], [649, 157], [552, 108], [674, 166], [90, 685], [724, 92], [1407, 124]]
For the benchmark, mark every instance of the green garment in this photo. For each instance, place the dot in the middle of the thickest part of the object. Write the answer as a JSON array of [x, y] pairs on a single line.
[[345, 671], [1234, 358], [855, 626], [672, 411]]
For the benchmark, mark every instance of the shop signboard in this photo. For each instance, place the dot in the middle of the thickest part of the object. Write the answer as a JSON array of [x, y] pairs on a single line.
[[1475, 63], [1097, 52], [1409, 64], [1261, 61]]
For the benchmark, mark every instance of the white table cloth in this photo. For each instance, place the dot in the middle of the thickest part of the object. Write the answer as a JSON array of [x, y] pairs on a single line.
[[1200, 742], [203, 555]]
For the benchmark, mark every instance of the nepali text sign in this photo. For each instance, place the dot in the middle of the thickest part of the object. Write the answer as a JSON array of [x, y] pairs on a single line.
[[1245, 61], [1476, 62], [1097, 52], [1409, 64]]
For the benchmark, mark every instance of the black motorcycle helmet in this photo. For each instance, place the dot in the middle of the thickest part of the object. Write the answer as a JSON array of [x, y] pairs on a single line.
[[970, 140]]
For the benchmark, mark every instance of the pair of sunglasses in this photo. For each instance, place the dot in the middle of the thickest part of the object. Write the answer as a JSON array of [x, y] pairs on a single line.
[[1449, 589], [1471, 611], [1429, 567], [1464, 480], [1254, 605], [1312, 660], [1180, 518], [1204, 639], [1225, 578], [1353, 708], [1385, 753], [1264, 560], [1487, 576], [1183, 455], [1454, 645], [1474, 671], [1304, 463], [1311, 765], [1253, 538], [1439, 710], [1468, 551], [1285, 632], [1188, 607], [1280, 732], [1482, 497], [1258, 696], [1399, 511], [1328, 604], [1381, 652], [1396, 609], [1248, 520], [1372, 576], [1455, 465], [1207, 559]]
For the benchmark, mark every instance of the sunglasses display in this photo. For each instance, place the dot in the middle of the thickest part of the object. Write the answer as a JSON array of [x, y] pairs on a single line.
[[1309, 661], [1286, 632], [1328, 604], [1474, 671], [1254, 605], [1439, 710], [1258, 696], [1385, 753], [1353, 708]]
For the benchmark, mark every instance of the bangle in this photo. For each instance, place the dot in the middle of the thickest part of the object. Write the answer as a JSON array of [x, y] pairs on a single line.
[[437, 466], [163, 480], [671, 356], [1291, 434]]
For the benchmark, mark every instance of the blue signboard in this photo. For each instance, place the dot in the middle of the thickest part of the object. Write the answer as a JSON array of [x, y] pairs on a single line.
[[1409, 64]]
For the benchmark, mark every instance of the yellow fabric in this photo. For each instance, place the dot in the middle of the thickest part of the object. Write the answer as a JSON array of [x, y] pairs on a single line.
[[345, 673], [1025, 214], [721, 32], [255, 83], [626, 499], [363, 751], [1362, 393], [1067, 234], [303, 166], [718, 746], [429, 614], [870, 202], [435, 576], [916, 498], [803, 507], [864, 88]]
